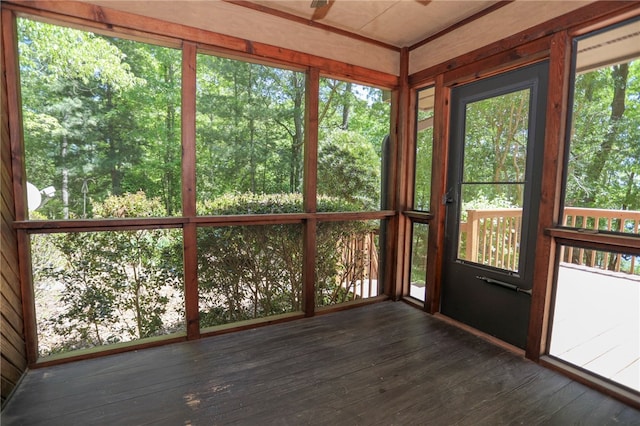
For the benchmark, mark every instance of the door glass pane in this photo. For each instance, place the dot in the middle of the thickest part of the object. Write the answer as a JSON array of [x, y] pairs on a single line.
[[492, 190], [424, 149], [603, 168], [491, 230]]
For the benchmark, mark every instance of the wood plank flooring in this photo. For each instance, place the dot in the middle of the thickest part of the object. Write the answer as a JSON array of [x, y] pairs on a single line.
[[381, 364]]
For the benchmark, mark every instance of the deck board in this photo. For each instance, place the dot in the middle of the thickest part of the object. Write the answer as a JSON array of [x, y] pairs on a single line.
[[386, 363]]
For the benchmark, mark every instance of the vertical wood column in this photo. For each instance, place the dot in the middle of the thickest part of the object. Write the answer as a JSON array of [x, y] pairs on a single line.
[[435, 249], [14, 104], [189, 236], [551, 190], [401, 225], [312, 93]]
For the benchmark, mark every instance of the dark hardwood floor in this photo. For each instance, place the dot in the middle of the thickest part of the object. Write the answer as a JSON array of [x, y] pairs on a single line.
[[381, 364]]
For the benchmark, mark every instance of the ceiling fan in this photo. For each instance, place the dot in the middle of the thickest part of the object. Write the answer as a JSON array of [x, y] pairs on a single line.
[[321, 8]]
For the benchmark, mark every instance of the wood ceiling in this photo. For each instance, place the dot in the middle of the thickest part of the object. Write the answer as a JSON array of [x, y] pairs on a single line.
[[365, 33], [397, 23]]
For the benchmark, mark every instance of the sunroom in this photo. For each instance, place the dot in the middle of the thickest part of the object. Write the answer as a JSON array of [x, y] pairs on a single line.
[[342, 211]]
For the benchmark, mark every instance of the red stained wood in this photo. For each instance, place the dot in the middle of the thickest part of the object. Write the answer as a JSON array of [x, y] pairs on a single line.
[[14, 350], [552, 163], [191, 300], [310, 180], [405, 155], [575, 18], [188, 115], [435, 259]]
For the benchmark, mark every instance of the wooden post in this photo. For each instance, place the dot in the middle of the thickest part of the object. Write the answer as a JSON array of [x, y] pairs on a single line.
[[401, 225], [549, 212], [14, 104], [190, 244], [435, 257], [312, 93]]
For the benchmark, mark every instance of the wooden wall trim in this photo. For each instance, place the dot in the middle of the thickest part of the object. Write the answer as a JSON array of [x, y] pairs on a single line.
[[552, 164], [93, 16], [117, 224], [13, 347], [402, 224], [499, 63], [601, 241], [435, 248]]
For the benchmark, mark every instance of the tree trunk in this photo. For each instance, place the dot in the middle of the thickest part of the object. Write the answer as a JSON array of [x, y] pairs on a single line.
[[346, 106], [620, 75], [297, 139], [170, 124], [65, 177]]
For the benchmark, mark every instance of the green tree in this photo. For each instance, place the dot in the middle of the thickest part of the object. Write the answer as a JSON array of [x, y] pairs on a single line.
[[62, 71], [349, 168], [604, 162]]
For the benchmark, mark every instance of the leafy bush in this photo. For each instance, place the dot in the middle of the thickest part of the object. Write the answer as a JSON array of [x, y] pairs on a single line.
[[255, 271], [116, 286]]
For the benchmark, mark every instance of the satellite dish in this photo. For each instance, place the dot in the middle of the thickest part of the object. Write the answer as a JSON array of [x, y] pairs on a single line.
[[34, 198]]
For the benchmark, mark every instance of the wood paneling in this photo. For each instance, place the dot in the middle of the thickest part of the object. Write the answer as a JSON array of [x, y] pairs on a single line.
[[492, 28], [12, 346], [579, 17]]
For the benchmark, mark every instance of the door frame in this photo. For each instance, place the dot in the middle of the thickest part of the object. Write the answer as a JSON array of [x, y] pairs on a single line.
[[534, 77]]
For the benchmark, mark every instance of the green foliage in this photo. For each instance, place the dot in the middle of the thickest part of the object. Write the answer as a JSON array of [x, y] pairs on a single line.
[[117, 285], [101, 117], [424, 161], [604, 161], [249, 128], [247, 272], [349, 169]]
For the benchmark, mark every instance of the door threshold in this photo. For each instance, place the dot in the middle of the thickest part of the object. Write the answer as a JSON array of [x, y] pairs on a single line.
[[485, 336]]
